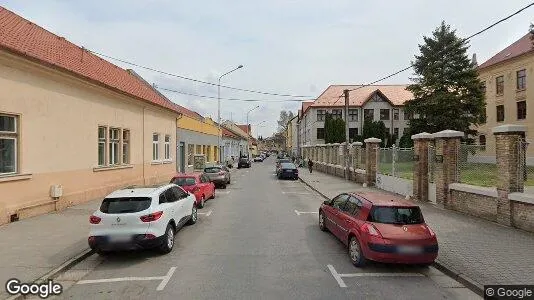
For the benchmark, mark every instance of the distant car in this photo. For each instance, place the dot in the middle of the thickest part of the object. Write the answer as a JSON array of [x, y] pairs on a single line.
[[141, 217], [258, 158], [287, 170], [219, 175], [280, 161], [198, 184], [244, 162], [379, 227]]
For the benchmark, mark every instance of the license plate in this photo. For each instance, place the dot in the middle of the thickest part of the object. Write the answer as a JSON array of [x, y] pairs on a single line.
[[120, 238], [410, 249]]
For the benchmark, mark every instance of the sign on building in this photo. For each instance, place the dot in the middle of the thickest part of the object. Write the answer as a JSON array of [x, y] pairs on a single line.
[[199, 162]]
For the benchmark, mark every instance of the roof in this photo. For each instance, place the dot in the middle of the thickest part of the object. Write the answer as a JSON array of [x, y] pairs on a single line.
[[228, 133], [305, 105], [24, 38], [191, 174], [383, 199], [519, 47], [396, 94], [245, 128]]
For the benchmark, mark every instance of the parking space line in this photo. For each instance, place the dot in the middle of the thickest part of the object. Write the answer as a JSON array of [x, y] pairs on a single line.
[[166, 279], [336, 276], [225, 192], [304, 212], [298, 193], [205, 213], [382, 275]]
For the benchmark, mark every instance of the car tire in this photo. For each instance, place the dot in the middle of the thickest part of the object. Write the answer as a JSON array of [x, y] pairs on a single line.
[[223, 186], [322, 224], [168, 243], [202, 200], [213, 196], [194, 216], [102, 252], [355, 253]]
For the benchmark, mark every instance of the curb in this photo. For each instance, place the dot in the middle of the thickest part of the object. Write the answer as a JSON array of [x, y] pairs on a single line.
[[62, 268], [446, 269]]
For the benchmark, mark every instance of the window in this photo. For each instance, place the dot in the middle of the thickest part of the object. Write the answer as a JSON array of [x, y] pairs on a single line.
[[353, 133], [184, 181], [114, 141], [384, 114], [500, 113], [396, 215], [337, 114], [170, 195], [179, 193], [101, 146], [521, 110], [320, 133], [155, 146], [482, 140], [407, 116], [190, 153], [339, 201], [369, 114], [199, 149], [353, 115], [396, 132], [353, 206], [320, 114], [376, 98], [125, 205], [125, 146], [499, 85], [8, 144], [167, 146], [521, 80], [395, 114]]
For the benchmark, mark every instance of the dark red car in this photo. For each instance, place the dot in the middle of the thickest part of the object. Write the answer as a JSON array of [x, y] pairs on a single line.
[[379, 227], [197, 184]]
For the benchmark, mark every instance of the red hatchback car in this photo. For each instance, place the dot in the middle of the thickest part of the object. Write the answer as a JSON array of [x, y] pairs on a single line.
[[379, 227], [197, 184]]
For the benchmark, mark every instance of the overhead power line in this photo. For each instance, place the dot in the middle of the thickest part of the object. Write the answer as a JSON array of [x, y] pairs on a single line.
[[230, 99], [193, 79]]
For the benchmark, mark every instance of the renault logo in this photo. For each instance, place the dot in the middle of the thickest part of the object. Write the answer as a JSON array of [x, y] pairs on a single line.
[[119, 220], [403, 227]]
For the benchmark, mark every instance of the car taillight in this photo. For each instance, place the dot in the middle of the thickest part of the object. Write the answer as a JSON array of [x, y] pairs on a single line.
[[151, 217], [91, 239], [430, 231], [150, 236], [94, 219], [371, 230]]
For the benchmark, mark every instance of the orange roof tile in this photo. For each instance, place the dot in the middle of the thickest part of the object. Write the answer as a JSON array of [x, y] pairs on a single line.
[[228, 133], [305, 105], [396, 94], [519, 47], [245, 128], [27, 39]]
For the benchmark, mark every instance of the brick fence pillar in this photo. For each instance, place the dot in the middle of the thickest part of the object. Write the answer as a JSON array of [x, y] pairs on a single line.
[[357, 155], [372, 147], [446, 162], [507, 145], [335, 149], [341, 154], [420, 170]]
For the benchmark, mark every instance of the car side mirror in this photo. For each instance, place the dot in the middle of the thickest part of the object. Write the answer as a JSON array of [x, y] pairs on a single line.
[[326, 202]]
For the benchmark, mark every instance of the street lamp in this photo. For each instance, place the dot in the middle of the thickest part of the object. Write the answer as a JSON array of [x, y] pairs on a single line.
[[219, 109], [257, 106]]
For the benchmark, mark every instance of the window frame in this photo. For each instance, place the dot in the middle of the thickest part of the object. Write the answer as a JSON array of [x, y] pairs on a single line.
[[337, 113], [321, 113], [356, 132], [522, 79], [499, 83], [115, 157], [167, 147], [353, 115], [497, 113], [523, 116], [317, 134], [365, 117], [396, 114], [383, 117], [125, 141], [15, 136], [155, 146]]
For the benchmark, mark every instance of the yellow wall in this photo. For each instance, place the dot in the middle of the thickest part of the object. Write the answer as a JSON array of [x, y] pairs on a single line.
[[207, 126]]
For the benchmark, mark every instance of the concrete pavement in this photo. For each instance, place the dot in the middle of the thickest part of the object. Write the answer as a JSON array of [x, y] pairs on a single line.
[[478, 251], [258, 239]]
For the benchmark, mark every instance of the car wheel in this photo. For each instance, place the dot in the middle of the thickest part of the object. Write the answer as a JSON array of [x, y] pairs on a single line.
[[224, 186], [213, 195], [168, 243], [194, 216], [355, 253], [101, 252], [201, 204], [322, 225]]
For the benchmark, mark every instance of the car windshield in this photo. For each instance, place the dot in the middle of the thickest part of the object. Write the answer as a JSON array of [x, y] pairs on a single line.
[[125, 205], [396, 215], [281, 161], [288, 166], [184, 181], [213, 170]]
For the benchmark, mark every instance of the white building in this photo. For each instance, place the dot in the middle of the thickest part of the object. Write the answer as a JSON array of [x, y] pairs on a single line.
[[376, 102]]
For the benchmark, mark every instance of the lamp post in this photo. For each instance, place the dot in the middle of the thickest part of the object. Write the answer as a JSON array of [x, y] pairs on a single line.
[[219, 110], [257, 106]]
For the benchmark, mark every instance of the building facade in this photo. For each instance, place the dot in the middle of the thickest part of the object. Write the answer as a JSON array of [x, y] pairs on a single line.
[[377, 103], [196, 135], [291, 136], [73, 127], [509, 89], [240, 140]]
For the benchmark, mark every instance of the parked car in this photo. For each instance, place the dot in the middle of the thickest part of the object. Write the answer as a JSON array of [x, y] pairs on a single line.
[[379, 227], [141, 217], [197, 184], [281, 161], [259, 158], [244, 162], [219, 175], [287, 170]]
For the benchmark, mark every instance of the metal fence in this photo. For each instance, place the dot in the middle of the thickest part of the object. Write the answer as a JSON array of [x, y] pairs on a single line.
[[477, 165], [397, 162], [525, 172]]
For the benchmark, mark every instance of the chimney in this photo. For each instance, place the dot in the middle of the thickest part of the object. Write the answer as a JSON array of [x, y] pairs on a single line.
[[474, 60]]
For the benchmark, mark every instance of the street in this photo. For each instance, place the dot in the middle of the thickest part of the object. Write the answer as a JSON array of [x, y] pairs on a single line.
[[258, 239]]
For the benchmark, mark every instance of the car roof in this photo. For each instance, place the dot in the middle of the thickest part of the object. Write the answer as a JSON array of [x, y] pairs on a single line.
[[139, 191], [383, 199], [214, 166], [192, 174]]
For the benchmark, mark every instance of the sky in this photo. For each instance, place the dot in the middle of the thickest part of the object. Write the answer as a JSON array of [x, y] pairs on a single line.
[[296, 47]]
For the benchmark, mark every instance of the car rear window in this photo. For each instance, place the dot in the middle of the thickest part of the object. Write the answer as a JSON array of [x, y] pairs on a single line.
[[125, 205], [288, 166], [396, 215], [212, 170], [184, 181]]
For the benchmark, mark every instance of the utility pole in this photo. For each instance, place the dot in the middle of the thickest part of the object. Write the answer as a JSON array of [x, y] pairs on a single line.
[[347, 171]]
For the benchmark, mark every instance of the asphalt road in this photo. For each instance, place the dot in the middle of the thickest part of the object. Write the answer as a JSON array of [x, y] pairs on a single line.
[[258, 239]]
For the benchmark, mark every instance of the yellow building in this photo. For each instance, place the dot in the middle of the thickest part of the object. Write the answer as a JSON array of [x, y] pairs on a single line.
[[509, 89]]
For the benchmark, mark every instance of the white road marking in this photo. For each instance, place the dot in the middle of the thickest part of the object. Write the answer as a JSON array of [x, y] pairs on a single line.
[[382, 275], [336, 276], [225, 192], [205, 213], [166, 279], [298, 193], [305, 212]]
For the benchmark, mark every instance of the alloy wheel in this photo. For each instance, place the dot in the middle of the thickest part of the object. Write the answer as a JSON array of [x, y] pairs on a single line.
[[170, 238], [194, 214], [354, 250]]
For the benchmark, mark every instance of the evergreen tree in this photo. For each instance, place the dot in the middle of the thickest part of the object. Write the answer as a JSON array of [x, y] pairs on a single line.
[[447, 92], [334, 129]]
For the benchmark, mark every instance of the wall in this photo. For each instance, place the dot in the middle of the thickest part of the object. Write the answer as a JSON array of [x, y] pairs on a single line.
[[473, 200], [59, 117], [190, 137]]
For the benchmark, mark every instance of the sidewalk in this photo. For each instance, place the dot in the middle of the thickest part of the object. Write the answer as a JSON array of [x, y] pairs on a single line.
[[477, 251], [35, 246]]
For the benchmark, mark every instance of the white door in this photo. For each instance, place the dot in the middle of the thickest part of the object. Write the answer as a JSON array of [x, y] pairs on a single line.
[[170, 206], [183, 207]]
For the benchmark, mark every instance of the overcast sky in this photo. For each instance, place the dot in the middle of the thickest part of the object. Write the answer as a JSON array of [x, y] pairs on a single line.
[[296, 47]]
